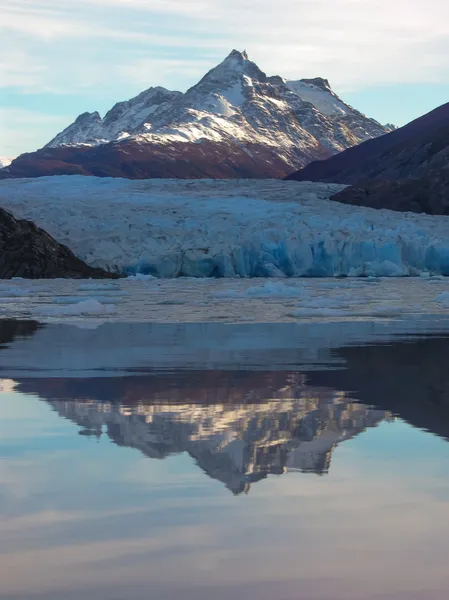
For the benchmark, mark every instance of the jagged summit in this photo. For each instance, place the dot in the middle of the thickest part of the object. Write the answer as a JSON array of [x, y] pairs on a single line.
[[88, 117], [90, 128], [242, 54], [251, 124], [318, 82], [236, 66]]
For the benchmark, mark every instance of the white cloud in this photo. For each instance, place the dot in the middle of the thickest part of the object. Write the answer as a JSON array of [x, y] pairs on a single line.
[[349, 41]]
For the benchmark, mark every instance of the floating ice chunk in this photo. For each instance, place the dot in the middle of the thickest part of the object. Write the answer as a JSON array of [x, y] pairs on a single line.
[[84, 307], [228, 294], [99, 287], [77, 299], [14, 292], [338, 302], [318, 312], [376, 268], [140, 277], [273, 289], [169, 302], [385, 311], [67, 299], [443, 298]]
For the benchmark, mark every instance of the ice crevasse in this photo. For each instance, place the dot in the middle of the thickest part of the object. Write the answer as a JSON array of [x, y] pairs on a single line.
[[246, 228]]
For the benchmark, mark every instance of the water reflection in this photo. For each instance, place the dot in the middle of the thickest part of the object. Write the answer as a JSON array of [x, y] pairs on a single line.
[[236, 444], [82, 517], [240, 426]]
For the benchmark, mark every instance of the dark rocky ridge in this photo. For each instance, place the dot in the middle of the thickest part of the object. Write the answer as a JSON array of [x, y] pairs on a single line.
[[133, 160], [28, 251], [406, 170], [428, 194]]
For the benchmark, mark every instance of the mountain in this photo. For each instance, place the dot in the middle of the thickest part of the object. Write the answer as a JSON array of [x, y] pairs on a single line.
[[235, 122], [407, 170]]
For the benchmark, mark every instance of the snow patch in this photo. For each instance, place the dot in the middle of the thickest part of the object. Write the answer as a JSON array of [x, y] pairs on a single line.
[[326, 101]]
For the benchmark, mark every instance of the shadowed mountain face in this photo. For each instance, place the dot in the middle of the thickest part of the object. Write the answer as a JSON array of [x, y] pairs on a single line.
[[235, 123], [407, 169]]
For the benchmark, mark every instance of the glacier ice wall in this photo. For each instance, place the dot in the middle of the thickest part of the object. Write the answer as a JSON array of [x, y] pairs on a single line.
[[247, 228]]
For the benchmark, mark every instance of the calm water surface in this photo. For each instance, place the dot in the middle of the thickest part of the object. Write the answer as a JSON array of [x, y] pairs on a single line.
[[244, 476]]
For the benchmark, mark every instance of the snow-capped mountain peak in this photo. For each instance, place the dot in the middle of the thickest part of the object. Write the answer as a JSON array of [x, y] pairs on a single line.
[[252, 125], [234, 65], [90, 128]]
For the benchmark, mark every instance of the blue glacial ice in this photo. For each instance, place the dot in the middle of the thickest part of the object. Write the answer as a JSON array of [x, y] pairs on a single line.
[[265, 228]]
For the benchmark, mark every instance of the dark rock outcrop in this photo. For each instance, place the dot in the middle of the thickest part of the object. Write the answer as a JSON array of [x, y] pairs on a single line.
[[28, 251], [425, 195], [406, 170]]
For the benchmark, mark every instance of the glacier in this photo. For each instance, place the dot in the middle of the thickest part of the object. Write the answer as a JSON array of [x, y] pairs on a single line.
[[238, 228]]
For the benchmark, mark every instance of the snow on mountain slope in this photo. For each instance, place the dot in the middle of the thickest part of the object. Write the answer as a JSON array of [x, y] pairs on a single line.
[[319, 93], [233, 102], [90, 128], [235, 108], [240, 228]]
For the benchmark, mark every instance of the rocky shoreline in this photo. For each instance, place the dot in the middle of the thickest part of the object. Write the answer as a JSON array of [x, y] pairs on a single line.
[[30, 252]]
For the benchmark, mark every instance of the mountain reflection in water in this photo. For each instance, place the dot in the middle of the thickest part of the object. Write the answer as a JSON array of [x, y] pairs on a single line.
[[240, 426], [86, 516], [238, 444]]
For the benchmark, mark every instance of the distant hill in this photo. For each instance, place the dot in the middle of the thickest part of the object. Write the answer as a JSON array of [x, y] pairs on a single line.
[[407, 169]]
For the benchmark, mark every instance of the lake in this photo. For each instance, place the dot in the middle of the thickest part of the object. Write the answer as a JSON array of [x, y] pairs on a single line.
[[213, 461]]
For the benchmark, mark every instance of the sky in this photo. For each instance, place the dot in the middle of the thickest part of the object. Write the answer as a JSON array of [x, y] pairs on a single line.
[[59, 58]]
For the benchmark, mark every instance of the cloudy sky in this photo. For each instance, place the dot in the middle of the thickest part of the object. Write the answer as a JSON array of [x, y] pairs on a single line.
[[59, 58]]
